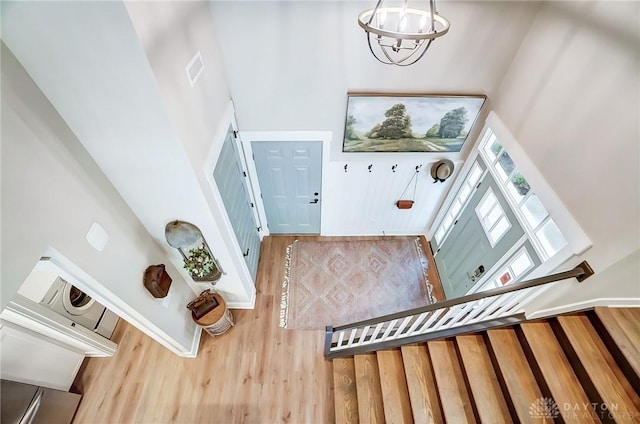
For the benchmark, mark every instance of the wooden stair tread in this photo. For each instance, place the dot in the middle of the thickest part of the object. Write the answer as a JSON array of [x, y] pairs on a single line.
[[563, 384], [423, 391], [514, 370], [345, 394], [370, 407], [623, 325], [487, 393], [596, 361], [395, 394], [456, 402]]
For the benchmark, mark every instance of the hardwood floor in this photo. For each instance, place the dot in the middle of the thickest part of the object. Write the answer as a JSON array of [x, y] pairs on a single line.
[[255, 373]]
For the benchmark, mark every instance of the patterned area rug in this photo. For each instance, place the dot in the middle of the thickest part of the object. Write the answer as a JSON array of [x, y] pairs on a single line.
[[339, 282]]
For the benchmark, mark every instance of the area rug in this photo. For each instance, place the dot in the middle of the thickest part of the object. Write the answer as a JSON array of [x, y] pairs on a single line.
[[340, 282]]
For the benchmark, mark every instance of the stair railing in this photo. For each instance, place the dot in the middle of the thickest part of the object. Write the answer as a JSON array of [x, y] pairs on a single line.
[[475, 312]]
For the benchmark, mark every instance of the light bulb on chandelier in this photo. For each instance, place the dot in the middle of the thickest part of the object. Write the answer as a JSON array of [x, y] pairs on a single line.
[[401, 35]]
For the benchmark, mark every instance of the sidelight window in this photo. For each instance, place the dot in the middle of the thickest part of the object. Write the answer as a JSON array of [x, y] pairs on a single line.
[[535, 218], [458, 203]]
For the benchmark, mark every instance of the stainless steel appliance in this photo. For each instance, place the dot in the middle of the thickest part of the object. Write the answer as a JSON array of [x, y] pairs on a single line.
[[26, 404]]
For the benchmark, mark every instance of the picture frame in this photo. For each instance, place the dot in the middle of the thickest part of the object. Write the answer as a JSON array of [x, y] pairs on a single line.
[[391, 123]]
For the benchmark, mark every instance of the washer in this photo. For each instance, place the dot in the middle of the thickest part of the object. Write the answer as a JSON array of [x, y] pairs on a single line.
[[74, 304]]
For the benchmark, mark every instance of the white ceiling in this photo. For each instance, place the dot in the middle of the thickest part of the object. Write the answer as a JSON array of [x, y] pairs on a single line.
[[290, 65]]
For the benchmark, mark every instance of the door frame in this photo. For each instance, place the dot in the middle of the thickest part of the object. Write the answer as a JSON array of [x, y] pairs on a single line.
[[247, 137], [578, 241]]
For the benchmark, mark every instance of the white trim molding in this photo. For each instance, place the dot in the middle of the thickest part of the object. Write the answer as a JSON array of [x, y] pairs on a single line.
[[609, 302]]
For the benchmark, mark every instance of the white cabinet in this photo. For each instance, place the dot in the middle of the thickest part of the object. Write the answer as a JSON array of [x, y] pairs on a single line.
[[32, 358]]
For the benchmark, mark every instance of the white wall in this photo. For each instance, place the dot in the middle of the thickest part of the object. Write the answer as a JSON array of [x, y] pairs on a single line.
[[104, 88], [359, 202], [571, 100], [171, 33], [616, 285], [53, 191], [289, 66]]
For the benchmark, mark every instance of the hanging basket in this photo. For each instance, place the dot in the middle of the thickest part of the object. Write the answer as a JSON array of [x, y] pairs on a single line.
[[404, 204], [408, 204]]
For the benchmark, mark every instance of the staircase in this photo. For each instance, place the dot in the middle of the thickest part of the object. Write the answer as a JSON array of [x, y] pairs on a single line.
[[572, 368]]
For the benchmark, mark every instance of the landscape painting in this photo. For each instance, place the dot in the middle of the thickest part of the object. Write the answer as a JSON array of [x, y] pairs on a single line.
[[409, 123]]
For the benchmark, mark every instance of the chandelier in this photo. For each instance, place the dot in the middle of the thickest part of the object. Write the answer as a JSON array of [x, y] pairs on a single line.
[[400, 35]]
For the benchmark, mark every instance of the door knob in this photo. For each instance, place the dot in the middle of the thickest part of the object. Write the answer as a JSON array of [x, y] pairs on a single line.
[[476, 273], [314, 201]]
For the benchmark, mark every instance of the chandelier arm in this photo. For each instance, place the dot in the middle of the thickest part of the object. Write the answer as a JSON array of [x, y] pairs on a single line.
[[374, 54], [407, 57], [375, 10], [419, 57], [433, 13]]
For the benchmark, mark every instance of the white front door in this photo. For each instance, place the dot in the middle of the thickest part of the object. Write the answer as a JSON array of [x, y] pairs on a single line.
[[481, 236]]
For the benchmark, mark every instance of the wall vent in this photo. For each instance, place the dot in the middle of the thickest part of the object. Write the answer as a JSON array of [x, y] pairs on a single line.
[[195, 68]]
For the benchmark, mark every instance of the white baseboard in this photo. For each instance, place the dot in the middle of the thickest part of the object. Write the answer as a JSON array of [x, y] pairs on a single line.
[[241, 305], [195, 344], [588, 304]]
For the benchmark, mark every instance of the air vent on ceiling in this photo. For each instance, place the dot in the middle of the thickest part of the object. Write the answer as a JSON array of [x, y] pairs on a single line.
[[195, 68]]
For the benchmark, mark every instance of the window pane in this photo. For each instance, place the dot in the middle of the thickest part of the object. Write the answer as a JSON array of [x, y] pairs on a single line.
[[551, 238], [447, 222], [498, 231], [493, 216], [533, 211], [474, 175], [504, 278], [439, 235], [521, 264], [455, 208], [493, 147], [486, 205], [464, 193], [505, 165], [518, 187]]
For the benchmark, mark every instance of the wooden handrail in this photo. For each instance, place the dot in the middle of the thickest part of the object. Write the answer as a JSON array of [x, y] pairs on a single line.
[[369, 342], [581, 272]]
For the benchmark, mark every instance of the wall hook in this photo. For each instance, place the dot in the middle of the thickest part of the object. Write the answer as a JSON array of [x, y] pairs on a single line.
[[393, 168], [369, 167], [345, 167], [418, 168]]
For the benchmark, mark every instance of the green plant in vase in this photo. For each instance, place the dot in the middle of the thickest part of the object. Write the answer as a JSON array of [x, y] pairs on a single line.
[[199, 263]]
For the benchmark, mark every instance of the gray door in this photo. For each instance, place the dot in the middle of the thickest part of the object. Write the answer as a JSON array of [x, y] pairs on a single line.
[[232, 184], [467, 253], [290, 176]]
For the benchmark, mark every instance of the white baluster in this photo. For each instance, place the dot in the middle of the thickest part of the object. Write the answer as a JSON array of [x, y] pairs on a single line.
[[352, 336], [385, 336], [363, 335], [375, 333], [404, 323]]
